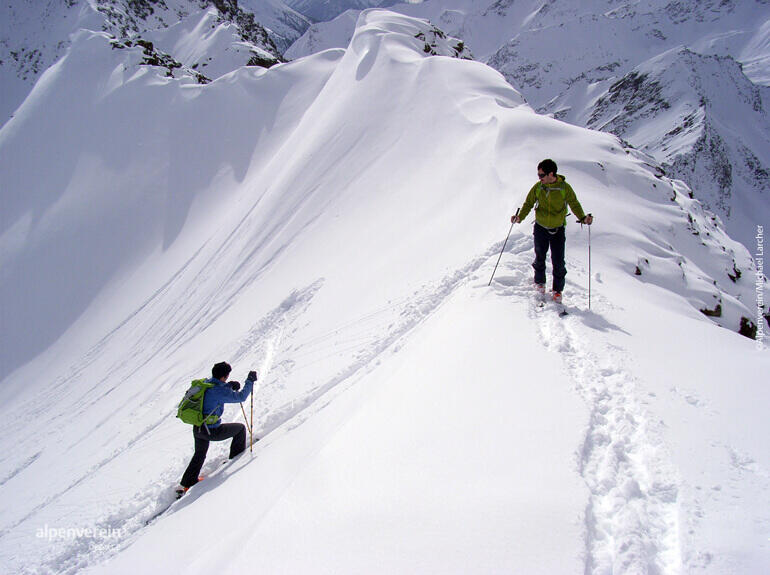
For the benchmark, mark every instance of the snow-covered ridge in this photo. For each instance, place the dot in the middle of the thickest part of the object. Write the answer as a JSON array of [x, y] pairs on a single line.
[[435, 41], [202, 38], [333, 222], [135, 20], [565, 57], [325, 35]]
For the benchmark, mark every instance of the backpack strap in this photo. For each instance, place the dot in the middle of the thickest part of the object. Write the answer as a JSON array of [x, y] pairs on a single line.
[[561, 187], [205, 385]]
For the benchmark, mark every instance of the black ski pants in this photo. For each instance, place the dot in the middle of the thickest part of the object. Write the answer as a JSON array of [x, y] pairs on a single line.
[[203, 435], [555, 240]]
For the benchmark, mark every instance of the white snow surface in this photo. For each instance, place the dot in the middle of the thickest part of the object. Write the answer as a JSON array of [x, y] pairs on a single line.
[[334, 222]]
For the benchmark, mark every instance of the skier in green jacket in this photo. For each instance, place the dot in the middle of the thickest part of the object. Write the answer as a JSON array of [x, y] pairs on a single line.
[[550, 198]]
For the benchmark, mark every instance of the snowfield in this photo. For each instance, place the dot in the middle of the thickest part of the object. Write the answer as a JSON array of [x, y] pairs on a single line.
[[333, 222]]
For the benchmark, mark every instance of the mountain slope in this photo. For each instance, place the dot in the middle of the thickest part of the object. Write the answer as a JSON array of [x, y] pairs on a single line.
[[34, 36], [337, 234], [727, 166], [564, 57], [219, 34], [284, 24], [703, 121], [323, 10]]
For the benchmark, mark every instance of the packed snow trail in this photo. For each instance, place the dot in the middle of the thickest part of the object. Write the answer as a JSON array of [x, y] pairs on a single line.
[[393, 323], [631, 522], [450, 472], [630, 517]]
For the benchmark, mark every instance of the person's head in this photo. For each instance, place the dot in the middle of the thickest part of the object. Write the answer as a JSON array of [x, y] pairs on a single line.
[[546, 171], [221, 371]]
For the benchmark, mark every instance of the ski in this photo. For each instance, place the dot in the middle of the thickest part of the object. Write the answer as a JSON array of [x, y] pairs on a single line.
[[165, 506], [179, 493], [558, 308], [559, 304], [541, 299]]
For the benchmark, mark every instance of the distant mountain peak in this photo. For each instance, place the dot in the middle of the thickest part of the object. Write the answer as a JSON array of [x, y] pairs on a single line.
[[34, 35]]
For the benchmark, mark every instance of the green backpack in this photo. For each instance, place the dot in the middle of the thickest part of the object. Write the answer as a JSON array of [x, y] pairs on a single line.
[[191, 407]]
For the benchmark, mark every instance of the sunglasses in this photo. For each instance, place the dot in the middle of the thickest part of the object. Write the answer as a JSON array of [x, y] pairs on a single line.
[[540, 175]]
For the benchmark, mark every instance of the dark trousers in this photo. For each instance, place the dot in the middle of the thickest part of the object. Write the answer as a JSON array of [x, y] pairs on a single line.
[[556, 240], [203, 436]]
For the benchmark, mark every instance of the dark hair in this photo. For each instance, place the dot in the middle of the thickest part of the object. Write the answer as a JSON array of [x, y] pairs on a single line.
[[220, 370], [548, 167]]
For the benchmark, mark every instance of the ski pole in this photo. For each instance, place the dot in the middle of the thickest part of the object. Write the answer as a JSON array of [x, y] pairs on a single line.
[[502, 250], [589, 266], [251, 426], [589, 258], [245, 418]]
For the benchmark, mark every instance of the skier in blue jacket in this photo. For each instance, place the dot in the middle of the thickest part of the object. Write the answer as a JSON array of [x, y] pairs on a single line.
[[214, 404]]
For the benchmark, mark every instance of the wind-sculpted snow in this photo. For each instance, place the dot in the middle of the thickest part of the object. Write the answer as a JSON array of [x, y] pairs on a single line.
[[682, 80], [333, 223]]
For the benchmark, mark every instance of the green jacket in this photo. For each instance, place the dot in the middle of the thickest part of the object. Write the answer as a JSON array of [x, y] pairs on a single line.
[[552, 201]]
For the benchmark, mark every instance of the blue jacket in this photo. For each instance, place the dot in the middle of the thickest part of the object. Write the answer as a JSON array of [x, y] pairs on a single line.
[[215, 398]]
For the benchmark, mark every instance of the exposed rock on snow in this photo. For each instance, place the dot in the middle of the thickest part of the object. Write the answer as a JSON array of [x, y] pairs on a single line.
[[704, 122], [213, 37]]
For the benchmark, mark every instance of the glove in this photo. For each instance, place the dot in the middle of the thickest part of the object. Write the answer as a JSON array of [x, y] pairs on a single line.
[[234, 385], [588, 220], [515, 220], [252, 375]]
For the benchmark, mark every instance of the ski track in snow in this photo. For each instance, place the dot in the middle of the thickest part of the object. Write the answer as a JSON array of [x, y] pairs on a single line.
[[631, 520], [366, 338], [384, 335], [19, 469]]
